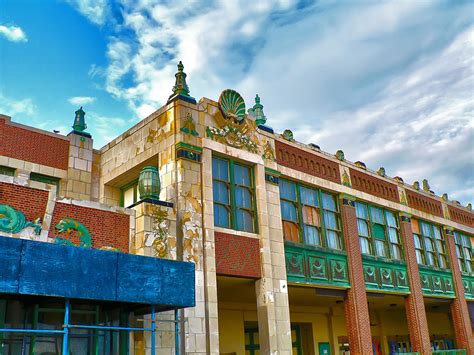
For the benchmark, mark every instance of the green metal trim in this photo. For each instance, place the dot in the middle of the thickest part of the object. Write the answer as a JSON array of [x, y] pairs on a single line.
[[6, 170], [46, 179], [188, 146], [468, 282], [272, 172], [385, 275], [437, 283], [316, 266]]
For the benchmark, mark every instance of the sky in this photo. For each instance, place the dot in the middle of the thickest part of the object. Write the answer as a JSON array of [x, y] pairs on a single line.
[[389, 83]]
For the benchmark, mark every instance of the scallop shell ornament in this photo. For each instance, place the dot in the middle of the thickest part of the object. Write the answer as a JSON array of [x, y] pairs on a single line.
[[232, 106]]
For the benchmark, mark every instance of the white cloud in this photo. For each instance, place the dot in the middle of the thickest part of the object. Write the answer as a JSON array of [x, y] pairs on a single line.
[[96, 11], [378, 80], [81, 100], [13, 33], [14, 107]]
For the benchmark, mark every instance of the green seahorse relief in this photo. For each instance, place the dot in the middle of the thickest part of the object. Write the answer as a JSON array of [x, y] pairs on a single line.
[[13, 221], [69, 224]]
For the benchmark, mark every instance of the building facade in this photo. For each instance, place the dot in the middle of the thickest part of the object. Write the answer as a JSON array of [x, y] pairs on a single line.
[[295, 250]]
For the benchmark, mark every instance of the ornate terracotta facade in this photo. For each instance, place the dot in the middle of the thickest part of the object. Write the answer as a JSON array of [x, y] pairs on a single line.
[[296, 251]]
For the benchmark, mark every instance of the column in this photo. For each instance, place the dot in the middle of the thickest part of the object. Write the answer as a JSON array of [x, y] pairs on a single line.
[[414, 303], [79, 172], [272, 289], [459, 311], [355, 304]]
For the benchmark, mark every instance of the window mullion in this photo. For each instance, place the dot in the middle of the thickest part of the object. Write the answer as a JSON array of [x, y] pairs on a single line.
[[299, 211], [322, 222]]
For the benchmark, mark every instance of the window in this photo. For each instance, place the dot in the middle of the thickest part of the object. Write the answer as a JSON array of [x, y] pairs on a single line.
[[464, 251], [129, 194], [430, 245], [6, 170], [234, 195], [46, 180], [309, 215], [379, 233]]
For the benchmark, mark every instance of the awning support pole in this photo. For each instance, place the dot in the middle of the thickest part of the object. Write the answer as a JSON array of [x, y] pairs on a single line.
[[66, 328]]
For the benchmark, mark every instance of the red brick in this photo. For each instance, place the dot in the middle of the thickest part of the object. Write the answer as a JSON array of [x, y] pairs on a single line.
[[461, 216], [32, 202], [31, 146], [373, 185], [237, 255], [424, 203], [108, 229]]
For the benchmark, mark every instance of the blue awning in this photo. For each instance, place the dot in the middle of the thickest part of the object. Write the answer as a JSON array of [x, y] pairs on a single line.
[[47, 269]]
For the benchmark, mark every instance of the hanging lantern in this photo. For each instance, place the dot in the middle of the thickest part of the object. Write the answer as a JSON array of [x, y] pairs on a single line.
[[149, 183]]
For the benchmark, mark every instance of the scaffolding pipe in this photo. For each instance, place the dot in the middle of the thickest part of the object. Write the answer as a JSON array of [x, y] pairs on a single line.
[[153, 329], [176, 331], [66, 328]]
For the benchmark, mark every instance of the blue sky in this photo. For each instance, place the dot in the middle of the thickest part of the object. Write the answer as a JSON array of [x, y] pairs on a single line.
[[390, 83]]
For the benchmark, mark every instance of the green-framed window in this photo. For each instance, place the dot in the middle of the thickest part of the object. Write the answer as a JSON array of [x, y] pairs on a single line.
[[310, 215], [379, 231], [430, 244], [46, 179], [234, 195], [252, 344], [129, 194], [6, 170], [464, 251]]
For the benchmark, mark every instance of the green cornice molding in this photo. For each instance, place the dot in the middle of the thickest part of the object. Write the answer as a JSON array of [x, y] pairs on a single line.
[[272, 172], [182, 145]]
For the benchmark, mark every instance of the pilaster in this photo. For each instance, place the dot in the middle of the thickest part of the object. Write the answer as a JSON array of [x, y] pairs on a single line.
[[414, 303], [459, 311], [272, 289], [79, 172], [355, 304]]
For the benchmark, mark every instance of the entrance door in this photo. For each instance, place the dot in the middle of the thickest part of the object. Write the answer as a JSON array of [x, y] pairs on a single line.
[[296, 340], [324, 349]]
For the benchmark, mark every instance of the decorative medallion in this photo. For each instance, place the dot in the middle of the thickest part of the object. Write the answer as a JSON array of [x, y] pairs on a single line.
[[189, 127], [381, 171], [158, 238], [232, 136], [288, 135], [232, 106], [346, 180], [360, 164], [340, 155], [403, 198], [426, 186], [416, 185], [268, 152]]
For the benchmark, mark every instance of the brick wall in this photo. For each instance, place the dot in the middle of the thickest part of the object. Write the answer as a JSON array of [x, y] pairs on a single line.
[[374, 186], [424, 203], [24, 144], [461, 216], [306, 162], [32, 202], [237, 255], [108, 229]]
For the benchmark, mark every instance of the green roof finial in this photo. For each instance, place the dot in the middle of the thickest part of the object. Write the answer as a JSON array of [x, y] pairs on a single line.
[[180, 87], [79, 121], [257, 112]]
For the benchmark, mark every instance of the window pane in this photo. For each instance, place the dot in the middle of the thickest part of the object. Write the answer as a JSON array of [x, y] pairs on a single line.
[[379, 231], [429, 245], [244, 220], [220, 169], [243, 198], [419, 257], [430, 259], [442, 262], [437, 232], [333, 240], [308, 196], [221, 216], [291, 231], [361, 210], [287, 190], [220, 192], [380, 248], [391, 219], [241, 175], [376, 215], [311, 216], [364, 245], [288, 211], [426, 229], [330, 220], [311, 235], [128, 197], [393, 234], [363, 228], [417, 241], [396, 252], [329, 202]]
